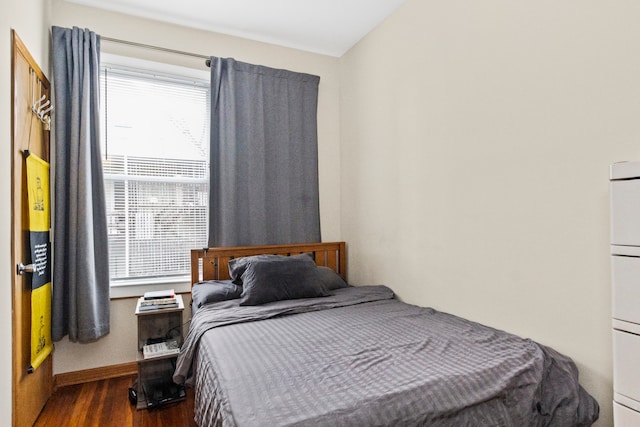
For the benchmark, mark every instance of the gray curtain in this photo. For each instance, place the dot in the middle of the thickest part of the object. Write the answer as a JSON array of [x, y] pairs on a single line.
[[80, 306], [264, 155]]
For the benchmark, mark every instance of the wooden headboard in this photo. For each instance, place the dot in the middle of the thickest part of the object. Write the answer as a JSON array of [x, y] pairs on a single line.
[[213, 263]]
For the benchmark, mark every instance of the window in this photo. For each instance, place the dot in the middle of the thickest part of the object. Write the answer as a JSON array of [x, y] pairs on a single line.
[[155, 148]]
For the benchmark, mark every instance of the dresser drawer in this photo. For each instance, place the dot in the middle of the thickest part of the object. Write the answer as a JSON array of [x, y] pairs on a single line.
[[625, 278], [625, 417], [626, 369], [625, 211]]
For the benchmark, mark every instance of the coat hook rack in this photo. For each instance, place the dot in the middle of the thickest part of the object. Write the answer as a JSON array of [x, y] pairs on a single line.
[[42, 107]]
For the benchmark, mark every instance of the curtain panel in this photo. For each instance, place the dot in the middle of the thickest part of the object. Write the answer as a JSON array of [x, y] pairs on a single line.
[[264, 155], [80, 305]]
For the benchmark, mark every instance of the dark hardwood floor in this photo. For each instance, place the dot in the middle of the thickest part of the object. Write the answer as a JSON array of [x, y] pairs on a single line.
[[106, 403]]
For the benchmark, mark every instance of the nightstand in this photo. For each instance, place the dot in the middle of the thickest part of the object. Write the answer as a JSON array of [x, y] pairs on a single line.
[[155, 372]]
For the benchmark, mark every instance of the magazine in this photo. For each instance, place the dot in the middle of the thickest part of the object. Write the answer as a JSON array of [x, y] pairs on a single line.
[[160, 349]]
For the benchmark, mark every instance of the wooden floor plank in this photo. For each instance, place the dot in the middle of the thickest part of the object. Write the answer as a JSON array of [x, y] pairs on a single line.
[[106, 403], [84, 403]]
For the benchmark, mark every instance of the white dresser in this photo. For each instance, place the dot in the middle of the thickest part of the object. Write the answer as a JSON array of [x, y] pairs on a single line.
[[625, 272]]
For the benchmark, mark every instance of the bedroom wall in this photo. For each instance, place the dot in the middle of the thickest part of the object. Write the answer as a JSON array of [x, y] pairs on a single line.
[[30, 19], [476, 141], [119, 346]]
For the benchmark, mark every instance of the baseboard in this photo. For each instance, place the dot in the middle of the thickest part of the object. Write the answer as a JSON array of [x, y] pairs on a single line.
[[94, 374]]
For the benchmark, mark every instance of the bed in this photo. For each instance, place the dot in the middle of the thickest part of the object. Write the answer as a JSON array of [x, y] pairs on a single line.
[[262, 352]]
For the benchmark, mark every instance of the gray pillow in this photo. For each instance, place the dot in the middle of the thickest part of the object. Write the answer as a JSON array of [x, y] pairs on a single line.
[[331, 279], [237, 266], [213, 291], [281, 278]]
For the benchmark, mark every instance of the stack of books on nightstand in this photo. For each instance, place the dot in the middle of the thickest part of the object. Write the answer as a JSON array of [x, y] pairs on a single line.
[[158, 300]]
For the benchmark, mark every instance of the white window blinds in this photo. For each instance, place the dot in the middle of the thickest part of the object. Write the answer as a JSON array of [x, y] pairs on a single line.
[[156, 168]]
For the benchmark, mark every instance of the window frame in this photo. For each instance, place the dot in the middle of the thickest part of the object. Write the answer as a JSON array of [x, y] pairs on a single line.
[[129, 287]]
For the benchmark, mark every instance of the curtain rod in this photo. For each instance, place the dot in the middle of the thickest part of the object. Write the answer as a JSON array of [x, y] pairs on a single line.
[[163, 49]]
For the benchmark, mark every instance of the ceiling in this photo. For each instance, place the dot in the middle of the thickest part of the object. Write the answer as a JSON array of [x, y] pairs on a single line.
[[329, 27]]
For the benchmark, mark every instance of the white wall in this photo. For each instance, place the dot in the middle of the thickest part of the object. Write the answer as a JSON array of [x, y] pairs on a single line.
[[476, 140], [30, 20], [119, 346]]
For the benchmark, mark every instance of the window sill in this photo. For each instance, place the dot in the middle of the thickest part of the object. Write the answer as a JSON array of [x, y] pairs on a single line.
[[137, 288]]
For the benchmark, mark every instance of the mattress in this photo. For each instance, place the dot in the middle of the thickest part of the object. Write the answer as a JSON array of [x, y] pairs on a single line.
[[361, 357]]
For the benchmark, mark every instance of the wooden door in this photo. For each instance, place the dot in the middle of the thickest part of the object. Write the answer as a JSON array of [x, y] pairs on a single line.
[[30, 390]]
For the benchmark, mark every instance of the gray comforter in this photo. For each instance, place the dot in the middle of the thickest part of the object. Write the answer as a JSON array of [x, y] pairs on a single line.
[[362, 358]]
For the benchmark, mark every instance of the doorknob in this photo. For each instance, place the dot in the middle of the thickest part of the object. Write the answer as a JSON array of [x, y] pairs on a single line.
[[29, 268]]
